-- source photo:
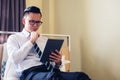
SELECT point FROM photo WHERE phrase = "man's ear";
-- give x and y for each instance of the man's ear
(23, 20)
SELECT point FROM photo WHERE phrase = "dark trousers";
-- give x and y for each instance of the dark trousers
(41, 73)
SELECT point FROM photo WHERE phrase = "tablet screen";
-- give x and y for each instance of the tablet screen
(51, 45)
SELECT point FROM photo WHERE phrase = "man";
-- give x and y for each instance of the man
(23, 61)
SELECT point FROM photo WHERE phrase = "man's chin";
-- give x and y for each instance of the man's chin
(34, 29)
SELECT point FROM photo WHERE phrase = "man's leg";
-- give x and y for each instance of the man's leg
(43, 76)
(31, 72)
(40, 73)
(74, 76)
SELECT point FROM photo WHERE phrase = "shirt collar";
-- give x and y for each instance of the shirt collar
(26, 33)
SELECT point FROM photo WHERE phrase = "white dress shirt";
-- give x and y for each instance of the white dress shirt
(21, 53)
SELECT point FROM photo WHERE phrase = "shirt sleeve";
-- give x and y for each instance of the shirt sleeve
(17, 53)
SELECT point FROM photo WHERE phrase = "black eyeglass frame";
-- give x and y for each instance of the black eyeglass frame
(33, 22)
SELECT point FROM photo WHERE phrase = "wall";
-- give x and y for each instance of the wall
(101, 39)
(95, 34)
(69, 20)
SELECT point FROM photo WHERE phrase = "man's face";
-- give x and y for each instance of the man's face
(32, 21)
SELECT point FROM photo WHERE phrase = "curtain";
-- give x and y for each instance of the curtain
(11, 12)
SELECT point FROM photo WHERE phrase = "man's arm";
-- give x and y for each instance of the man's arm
(16, 52)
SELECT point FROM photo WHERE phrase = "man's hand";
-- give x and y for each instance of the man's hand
(34, 36)
(56, 57)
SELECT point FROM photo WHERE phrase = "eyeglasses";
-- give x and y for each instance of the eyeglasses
(32, 22)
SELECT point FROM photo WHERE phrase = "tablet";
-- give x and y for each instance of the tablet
(51, 45)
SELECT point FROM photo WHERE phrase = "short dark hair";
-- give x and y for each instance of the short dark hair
(33, 9)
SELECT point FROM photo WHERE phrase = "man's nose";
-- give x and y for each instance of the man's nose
(35, 24)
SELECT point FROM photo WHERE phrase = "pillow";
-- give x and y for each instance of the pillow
(4, 59)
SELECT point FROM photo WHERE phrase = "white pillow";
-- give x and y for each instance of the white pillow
(4, 59)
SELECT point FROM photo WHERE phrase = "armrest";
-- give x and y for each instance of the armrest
(1, 53)
(3, 59)
(65, 58)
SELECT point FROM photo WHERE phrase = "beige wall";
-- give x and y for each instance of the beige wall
(69, 20)
(95, 33)
(102, 39)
